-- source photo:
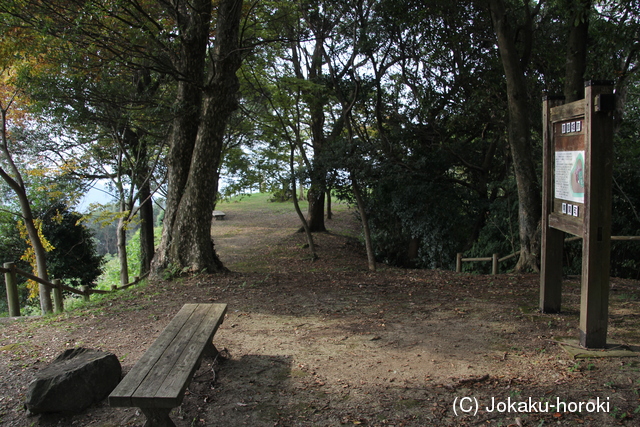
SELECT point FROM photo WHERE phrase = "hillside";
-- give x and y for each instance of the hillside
(329, 343)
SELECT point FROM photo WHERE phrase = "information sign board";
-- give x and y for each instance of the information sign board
(577, 161)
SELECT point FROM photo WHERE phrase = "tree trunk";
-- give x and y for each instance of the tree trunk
(316, 101)
(146, 227)
(122, 248)
(194, 31)
(577, 52)
(315, 195)
(305, 224)
(16, 183)
(141, 178)
(371, 259)
(529, 199)
(46, 305)
(196, 144)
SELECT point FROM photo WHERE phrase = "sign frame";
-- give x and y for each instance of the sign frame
(566, 210)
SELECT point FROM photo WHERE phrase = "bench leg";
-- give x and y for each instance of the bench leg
(157, 417)
(210, 350)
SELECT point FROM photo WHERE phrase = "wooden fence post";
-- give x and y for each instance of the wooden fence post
(459, 262)
(58, 303)
(85, 293)
(12, 289)
(494, 264)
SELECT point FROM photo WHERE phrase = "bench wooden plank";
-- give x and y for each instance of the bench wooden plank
(121, 395)
(177, 382)
(145, 394)
(161, 376)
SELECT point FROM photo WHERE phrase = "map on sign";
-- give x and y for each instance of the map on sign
(569, 176)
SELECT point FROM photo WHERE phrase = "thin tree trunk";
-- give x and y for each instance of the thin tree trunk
(17, 185)
(371, 259)
(529, 198)
(122, 248)
(305, 225)
(141, 179)
(146, 228)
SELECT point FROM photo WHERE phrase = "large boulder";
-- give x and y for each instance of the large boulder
(75, 380)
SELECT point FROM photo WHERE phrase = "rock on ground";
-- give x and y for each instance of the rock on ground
(75, 380)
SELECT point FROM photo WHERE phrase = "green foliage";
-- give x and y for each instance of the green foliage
(625, 255)
(263, 168)
(102, 220)
(74, 259)
(419, 212)
(425, 138)
(499, 233)
(111, 272)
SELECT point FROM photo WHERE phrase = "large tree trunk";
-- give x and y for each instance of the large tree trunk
(315, 219)
(194, 34)
(529, 206)
(577, 52)
(316, 192)
(196, 144)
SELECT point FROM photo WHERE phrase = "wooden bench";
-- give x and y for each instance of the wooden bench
(158, 381)
(218, 215)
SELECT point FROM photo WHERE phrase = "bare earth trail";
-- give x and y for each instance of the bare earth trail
(327, 343)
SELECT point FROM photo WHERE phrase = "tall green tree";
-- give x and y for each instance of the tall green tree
(109, 126)
(74, 259)
(198, 47)
(13, 176)
(206, 97)
(515, 58)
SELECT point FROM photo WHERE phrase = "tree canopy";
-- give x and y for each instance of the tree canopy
(426, 114)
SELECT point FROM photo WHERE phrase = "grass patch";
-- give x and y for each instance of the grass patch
(256, 202)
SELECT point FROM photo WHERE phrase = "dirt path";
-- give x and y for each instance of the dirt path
(328, 343)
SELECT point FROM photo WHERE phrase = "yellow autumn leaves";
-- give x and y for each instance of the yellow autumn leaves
(30, 255)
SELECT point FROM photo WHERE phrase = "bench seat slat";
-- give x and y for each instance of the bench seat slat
(121, 395)
(175, 384)
(161, 376)
(163, 367)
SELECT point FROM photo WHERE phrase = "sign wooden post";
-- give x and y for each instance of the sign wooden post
(552, 239)
(577, 163)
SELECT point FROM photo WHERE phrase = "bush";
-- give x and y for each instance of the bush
(74, 259)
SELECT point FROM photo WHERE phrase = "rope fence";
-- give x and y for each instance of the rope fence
(495, 260)
(10, 274)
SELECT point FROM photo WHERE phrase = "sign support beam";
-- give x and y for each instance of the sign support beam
(552, 239)
(596, 240)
